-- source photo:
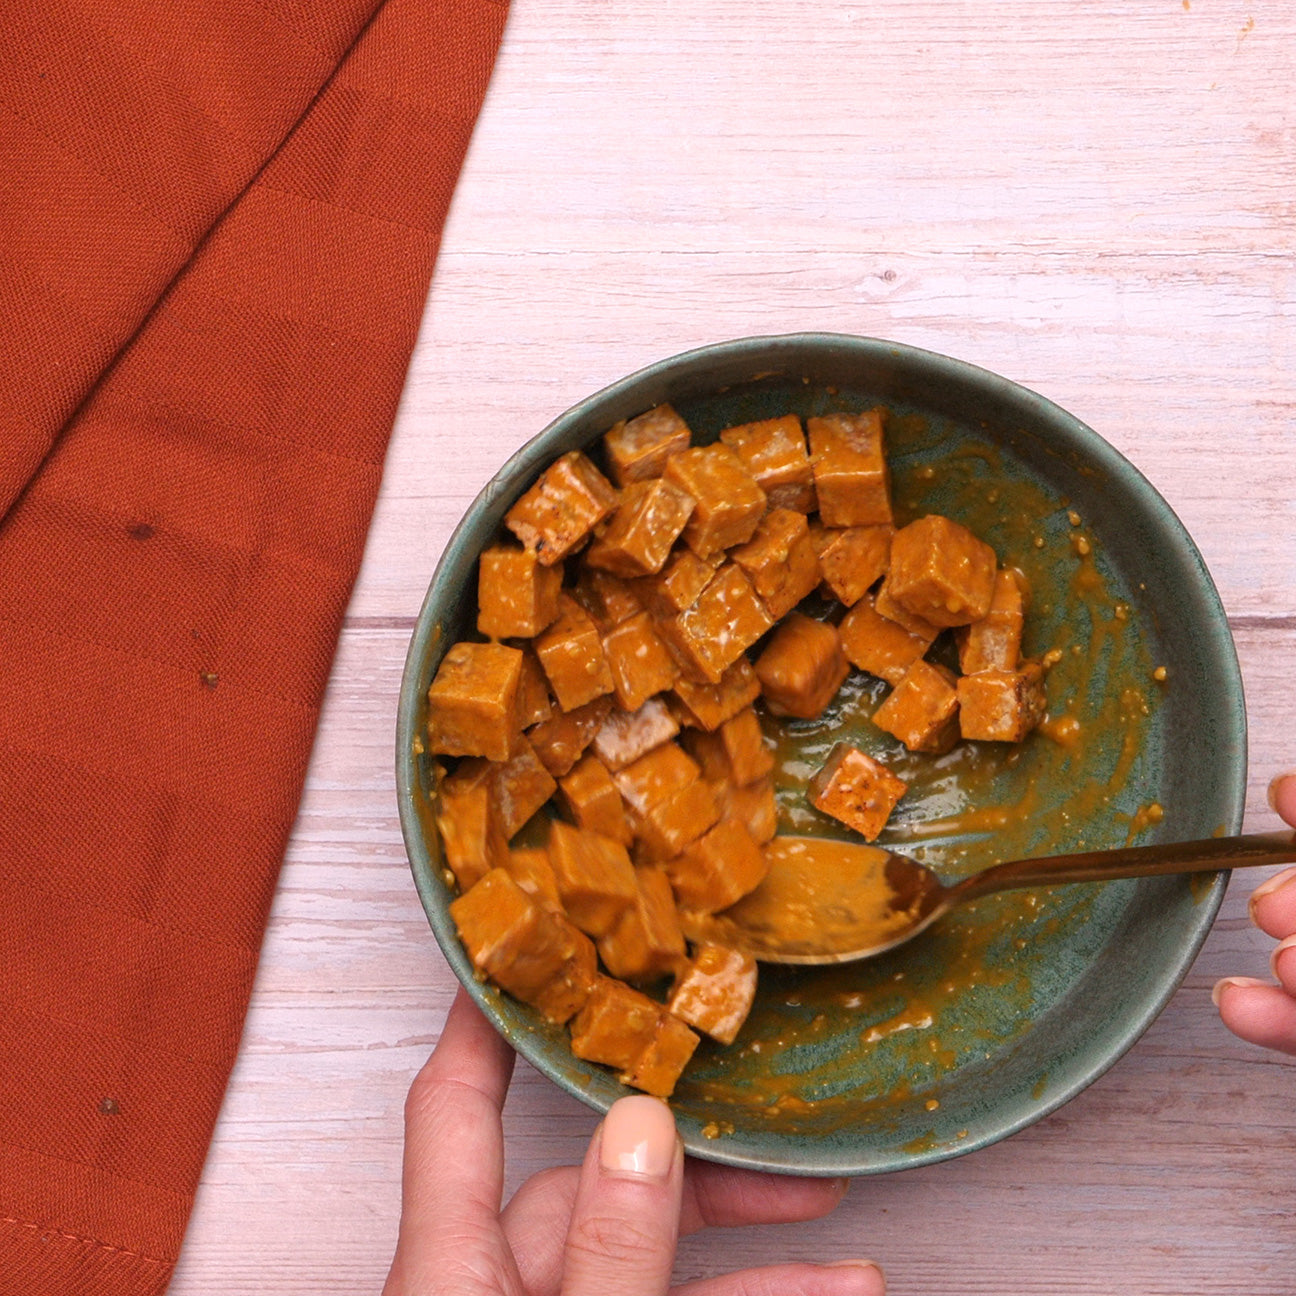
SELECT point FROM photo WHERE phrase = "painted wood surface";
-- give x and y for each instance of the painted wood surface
(1093, 198)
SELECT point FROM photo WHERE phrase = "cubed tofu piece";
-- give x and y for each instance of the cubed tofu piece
(529, 867)
(559, 513)
(640, 662)
(678, 584)
(718, 869)
(637, 449)
(1002, 705)
(646, 943)
(638, 539)
(851, 479)
(615, 1025)
(534, 702)
(922, 709)
(560, 741)
(753, 805)
(857, 790)
(595, 877)
(708, 706)
(994, 642)
(802, 667)
(941, 572)
(780, 560)
(715, 992)
(886, 606)
(659, 1065)
(735, 753)
(774, 452)
(530, 952)
(571, 654)
(722, 624)
(628, 735)
(473, 701)
(728, 503)
(878, 645)
(608, 599)
(472, 838)
(664, 829)
(593, 801)
(518, 786)
(516, 595)
(652, 778)
(852, 559)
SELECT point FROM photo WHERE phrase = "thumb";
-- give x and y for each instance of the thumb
(625, 1219)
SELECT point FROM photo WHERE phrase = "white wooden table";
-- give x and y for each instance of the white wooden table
(1093, 197)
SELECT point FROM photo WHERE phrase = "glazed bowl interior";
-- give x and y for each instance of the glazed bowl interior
(1009, 1008)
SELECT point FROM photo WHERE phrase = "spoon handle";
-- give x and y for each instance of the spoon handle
(1247, 851)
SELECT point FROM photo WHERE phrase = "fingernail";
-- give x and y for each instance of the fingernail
(1269, 886)
(1226, 982)
(879, 1279)
(638, 1139)
(1275, 787)
(1289, 943)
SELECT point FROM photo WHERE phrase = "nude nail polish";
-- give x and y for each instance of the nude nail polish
(638, 1139)
(1220, 986)
(1289, 943)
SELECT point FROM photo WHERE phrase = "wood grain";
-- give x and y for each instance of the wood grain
(1091, 198)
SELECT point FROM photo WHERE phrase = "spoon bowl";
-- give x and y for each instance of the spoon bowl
(826, 901)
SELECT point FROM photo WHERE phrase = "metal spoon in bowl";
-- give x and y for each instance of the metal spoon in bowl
(826, 901)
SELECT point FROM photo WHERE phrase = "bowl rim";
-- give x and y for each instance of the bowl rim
(521, 467)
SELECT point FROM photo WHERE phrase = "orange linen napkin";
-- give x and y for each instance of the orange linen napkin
(218, 220)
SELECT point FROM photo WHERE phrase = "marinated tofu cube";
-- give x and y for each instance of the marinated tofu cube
(528, 951)
(472, 838)
(608, 599)
(774, 452)
(852, 559)
(922, 709)
(753, 805)
(850, 471)
(728, 503)
(710, 636)
(628, 735)
(994, 642)
(640, 662)
(473, 701)
(717, 869)
(780, 560)
(1002, 705)
(560, 740)
(941, 572)
(802, 667)
(658, 1066)
(652, 778)
(886, 606)
(516, 596)
(857, 790)
(518, 786)
(667, 827)
(637, 449)
(678, 584)
(534, 702)
(878, 645)
(595, 877)
(647, 942)
(529, 867)
(735, 753)
(715, 992)
(562, 509)
(592, 800)
(638, 539)
(708, 706)
(615, 1024)
(571, 654)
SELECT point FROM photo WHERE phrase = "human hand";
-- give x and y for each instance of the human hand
(1259, 1011)
(605, 1228)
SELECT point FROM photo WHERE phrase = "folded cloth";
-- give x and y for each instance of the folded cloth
(218, 220)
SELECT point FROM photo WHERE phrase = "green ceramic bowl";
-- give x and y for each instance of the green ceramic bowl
(1012, 1006)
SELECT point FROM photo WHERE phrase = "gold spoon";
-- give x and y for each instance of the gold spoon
(826, 901)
